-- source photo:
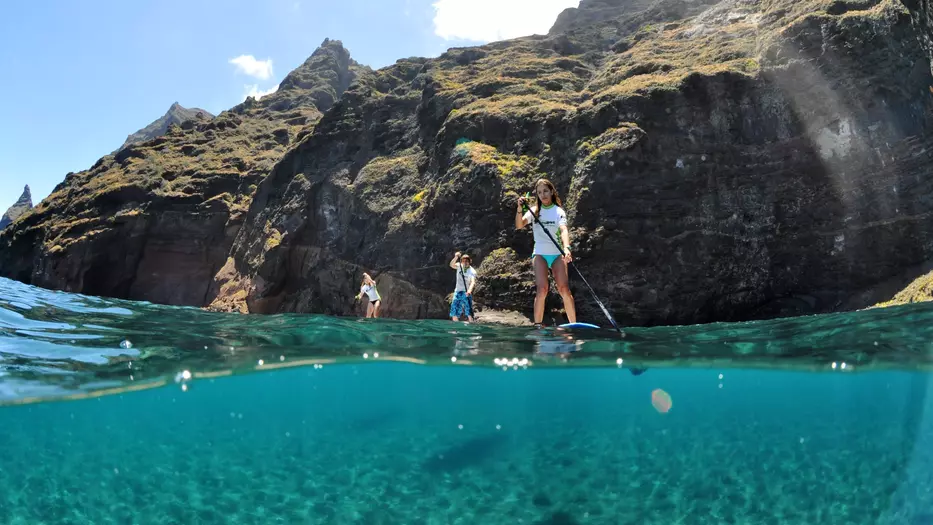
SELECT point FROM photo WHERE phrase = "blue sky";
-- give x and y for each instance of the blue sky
(78, 77)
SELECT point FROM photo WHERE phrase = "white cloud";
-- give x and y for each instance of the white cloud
(247, 64)
(490, 20)
(252, 90)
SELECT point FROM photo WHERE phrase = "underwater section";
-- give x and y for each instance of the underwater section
(394, 443)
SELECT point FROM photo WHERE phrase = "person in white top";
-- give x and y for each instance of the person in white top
(368, 287)
(547, 255)
(462, 304)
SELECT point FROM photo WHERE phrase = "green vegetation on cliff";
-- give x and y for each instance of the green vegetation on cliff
(919, 291)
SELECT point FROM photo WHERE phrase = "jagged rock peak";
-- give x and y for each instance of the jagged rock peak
(328, 72)
(176, 115)
(26, 197)
(22, 205)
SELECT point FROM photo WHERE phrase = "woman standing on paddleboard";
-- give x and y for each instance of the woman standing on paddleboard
(368, 288)
(548, 213)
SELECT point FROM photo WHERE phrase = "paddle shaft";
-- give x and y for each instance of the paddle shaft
(590, 288)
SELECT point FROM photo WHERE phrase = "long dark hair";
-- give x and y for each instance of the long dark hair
(555, 197)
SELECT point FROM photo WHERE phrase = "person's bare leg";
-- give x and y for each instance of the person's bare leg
(369, 309)
(376, 309)
(542, 286)
(559, 268)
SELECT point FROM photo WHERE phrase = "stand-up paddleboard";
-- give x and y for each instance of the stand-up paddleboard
(571, 326)
(577, 325)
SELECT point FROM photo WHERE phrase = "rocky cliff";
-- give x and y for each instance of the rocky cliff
(175, 116)
(21, 206)
(719, 160)
(156, 220)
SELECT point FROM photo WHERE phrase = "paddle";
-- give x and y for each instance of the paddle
(561, 250)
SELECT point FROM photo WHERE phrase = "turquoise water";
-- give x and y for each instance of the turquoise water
(120, 412)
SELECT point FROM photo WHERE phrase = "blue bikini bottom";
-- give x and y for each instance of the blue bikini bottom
(549, 259)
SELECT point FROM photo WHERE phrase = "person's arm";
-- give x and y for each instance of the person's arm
(565, 239)
(521, 220)
(455, 260)
(472, 281)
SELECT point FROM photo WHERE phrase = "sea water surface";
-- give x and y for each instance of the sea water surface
(125, 412)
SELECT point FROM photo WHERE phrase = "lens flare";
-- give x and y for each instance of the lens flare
(661, 401)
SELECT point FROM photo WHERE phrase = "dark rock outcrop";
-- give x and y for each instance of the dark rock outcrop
(175, 116)
(719, 160)
(21, 206)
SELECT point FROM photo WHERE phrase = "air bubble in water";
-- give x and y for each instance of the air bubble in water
(126, 344)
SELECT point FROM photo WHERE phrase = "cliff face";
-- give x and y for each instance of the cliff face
(719, 160)
(156, 220)
(21, 206)
(175, 116)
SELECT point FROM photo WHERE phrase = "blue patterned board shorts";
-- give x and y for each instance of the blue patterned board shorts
(461, 305)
